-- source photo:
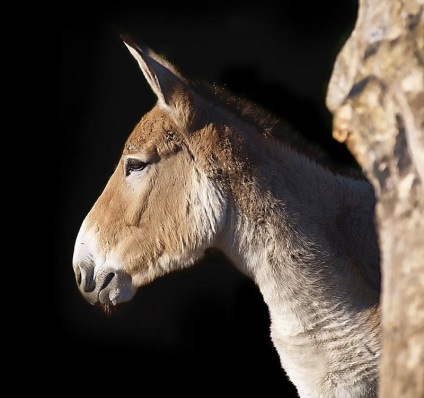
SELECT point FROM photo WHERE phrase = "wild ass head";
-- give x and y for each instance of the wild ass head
(168, 198)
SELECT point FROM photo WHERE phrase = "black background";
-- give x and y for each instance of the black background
(204, 331)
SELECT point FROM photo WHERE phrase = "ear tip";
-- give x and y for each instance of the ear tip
(123, 36)
(128, 39)
(131, 41)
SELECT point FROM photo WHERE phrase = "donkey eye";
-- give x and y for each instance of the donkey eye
(132, 165)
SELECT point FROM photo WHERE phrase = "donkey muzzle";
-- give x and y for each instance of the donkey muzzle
(107, 287)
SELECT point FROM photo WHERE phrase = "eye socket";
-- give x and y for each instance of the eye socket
(132, 165)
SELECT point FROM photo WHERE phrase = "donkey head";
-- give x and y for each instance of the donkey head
(166, 201)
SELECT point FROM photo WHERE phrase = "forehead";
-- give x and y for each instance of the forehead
(152, 128)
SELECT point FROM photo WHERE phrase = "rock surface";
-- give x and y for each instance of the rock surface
(376, 95)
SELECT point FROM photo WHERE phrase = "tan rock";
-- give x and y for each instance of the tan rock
(376, 94)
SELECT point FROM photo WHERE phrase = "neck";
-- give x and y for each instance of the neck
(306, 237)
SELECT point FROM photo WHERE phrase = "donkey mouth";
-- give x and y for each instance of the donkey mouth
(108, 288)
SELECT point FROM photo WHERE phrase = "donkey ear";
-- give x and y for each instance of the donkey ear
(170, 87)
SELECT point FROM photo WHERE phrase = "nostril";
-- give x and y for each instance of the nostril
(107, 280)
(84, 278)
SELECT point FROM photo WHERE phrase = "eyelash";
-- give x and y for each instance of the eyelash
(132, 165)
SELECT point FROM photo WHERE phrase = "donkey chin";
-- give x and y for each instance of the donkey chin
(107, 288)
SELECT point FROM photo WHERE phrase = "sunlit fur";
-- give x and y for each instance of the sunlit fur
(222, 173)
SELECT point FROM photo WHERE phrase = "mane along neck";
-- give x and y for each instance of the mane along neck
(280, 186)
(306, 237)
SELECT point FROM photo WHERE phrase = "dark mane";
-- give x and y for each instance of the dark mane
(270, 125)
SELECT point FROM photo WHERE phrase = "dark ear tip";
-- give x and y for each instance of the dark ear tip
(128, 39)
(131, 41)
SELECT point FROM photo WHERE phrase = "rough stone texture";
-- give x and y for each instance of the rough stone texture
(376, 95)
